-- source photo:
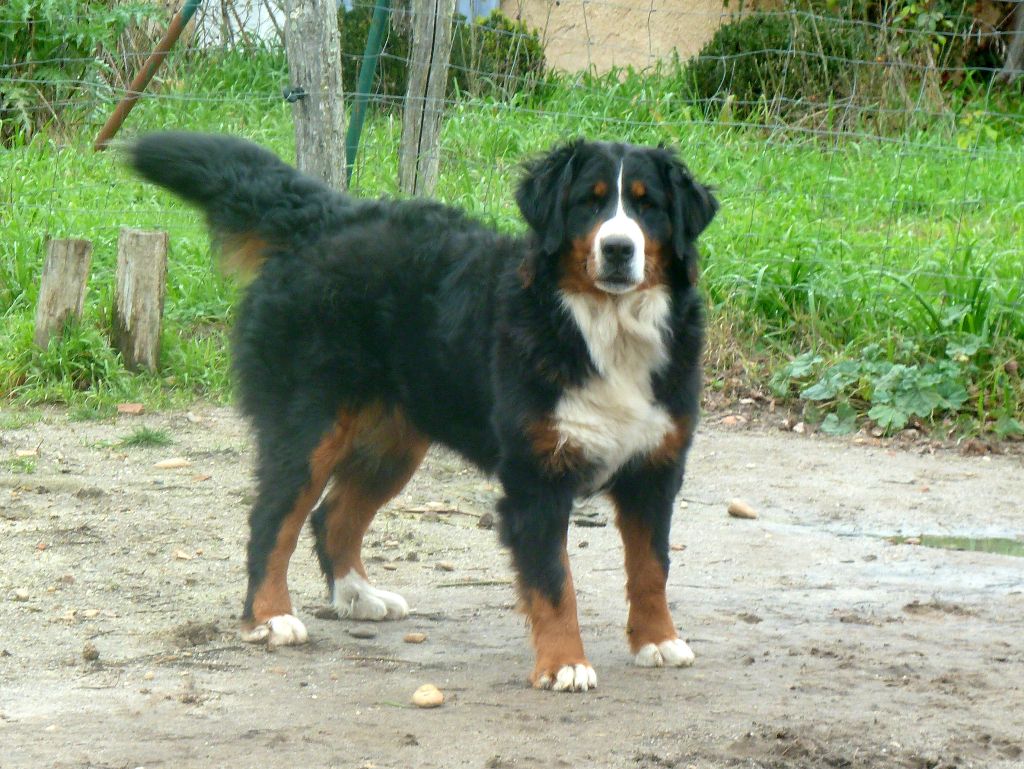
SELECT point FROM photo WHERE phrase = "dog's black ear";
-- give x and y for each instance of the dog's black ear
(693, 206)
(543, 192)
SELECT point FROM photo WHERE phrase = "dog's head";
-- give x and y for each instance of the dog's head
(617, 217)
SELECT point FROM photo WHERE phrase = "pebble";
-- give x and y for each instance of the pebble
(363, 631)
(21, 595)
(445, 566)
(90, 652)
(486, 521)
(415, 638)
(427, 696)
(149, 675)
(326, 612)
(740, 509)
(131, 409)
(172, 463)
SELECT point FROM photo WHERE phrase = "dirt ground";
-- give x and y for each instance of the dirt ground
(819, 643)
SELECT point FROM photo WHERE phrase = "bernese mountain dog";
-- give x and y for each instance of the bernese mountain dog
(566, 362)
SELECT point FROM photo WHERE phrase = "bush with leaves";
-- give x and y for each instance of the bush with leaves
(495, 56)
(889, 389)
(840, 60)
(54, 51)
(768, 62)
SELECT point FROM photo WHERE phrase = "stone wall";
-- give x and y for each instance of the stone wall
(579, 34)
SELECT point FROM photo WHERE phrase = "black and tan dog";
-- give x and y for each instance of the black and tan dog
(567, 362)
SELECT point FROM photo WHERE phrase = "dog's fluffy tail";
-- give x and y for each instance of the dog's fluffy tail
(253, 201)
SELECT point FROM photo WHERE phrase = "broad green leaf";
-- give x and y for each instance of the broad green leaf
(888, 417)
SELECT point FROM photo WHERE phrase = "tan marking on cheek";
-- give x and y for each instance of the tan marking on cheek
(638, 189)
(649, 618)
(655, 263)
(579, 270)
(555, 629)
(601, 189)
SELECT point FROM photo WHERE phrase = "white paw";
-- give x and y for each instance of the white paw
(672, 653)
(355, 598)
(570, 678)
(282, 630)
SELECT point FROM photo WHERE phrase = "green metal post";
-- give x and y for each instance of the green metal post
(367, 68)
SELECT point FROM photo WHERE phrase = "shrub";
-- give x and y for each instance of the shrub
(494, 57)
(771, 62)
(889, 62)
(51, 51)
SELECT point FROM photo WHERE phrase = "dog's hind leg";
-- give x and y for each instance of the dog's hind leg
(291, 479)
(382, 456)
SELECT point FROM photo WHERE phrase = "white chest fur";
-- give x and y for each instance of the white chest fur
(613, 417)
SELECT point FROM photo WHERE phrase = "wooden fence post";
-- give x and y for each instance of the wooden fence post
(62, 286)
(424, 100)
(313, 46)
(139, 297)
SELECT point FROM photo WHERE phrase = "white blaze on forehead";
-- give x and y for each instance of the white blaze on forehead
(621, 226)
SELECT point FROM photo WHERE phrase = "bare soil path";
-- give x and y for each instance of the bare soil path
(819, 642)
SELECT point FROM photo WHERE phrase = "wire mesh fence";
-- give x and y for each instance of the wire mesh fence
(868, 154)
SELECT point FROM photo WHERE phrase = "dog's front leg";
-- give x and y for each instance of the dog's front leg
(644, 497)
(535, 518)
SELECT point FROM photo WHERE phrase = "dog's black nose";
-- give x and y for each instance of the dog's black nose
(617, 251)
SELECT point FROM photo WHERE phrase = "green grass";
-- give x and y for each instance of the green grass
(905, 250)
(19, 465)
(145, 437)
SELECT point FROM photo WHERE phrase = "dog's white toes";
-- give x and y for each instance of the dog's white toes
(355, 598)
(672, 653)
(282, 630)
(569, 678)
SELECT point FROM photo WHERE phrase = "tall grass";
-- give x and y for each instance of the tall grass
(830, 245)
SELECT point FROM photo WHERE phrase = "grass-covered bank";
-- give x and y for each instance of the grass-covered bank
(874, 275)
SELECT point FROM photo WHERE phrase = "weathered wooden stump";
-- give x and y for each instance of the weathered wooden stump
(62, 287)
(139, 297)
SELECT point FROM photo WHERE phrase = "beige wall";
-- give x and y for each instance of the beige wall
(604, 33)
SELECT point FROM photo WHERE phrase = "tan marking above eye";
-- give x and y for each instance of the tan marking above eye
(638, 188)
(601, 189)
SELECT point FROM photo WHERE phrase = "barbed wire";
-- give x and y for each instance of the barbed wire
(775, 127)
